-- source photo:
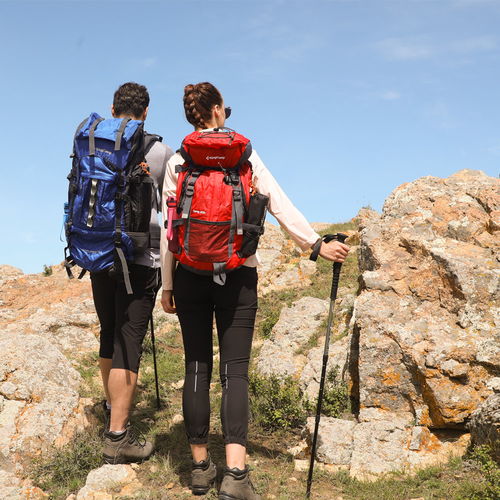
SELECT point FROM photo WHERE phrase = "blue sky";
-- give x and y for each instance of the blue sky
(343, 100)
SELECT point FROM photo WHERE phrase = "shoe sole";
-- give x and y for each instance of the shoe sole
(226, 496)
(117, 461)
(202, 490)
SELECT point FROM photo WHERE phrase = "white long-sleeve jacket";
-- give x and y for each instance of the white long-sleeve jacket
(289, 217)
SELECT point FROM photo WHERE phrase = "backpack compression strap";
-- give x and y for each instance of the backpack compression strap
(118, 234)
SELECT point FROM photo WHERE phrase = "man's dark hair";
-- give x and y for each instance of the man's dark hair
(131, 99)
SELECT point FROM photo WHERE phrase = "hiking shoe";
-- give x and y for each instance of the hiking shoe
(236, 485)
(125, 447)
(203, 475)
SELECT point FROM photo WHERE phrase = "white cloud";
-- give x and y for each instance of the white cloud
(495, 150)
(28, 238)
(406, 49)
(441, 116)
(390, 95)
(485, 43)
(402, 49)
(149, 62)
(294, 50)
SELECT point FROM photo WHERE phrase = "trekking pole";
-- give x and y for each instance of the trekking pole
(333, 296)
(154, 362)
(158, 284)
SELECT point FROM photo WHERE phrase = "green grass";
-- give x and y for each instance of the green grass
(88, 368)
(64, 470)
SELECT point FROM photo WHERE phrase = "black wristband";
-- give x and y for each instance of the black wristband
(316, 249)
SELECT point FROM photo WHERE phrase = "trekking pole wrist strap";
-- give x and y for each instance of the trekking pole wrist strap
(315, 250)
(326, 238)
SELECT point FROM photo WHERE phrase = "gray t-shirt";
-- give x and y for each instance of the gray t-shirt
(157, 159)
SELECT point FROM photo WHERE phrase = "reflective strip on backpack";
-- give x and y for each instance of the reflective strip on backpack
(92, 200)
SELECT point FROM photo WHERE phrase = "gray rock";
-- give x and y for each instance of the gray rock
(42, 383)
(426, 320)
(378, 447)
(69, 325)
(8, 273)
(485, 425)
(297, 324)
(335, 440)
(12, 488)
(107, 479)
(337, 359)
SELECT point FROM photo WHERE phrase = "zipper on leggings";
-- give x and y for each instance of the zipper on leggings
(196, 376)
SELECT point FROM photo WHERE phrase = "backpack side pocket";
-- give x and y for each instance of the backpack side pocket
(254, 227)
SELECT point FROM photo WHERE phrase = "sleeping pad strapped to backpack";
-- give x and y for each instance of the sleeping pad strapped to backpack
(211, 232)
(110, 196)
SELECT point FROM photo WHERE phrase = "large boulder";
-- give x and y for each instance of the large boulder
(39, 400)
(369, 449)
(9, 273)
(108, 482)
(280, 355)
(427, 323)
(54, 307)
(485, 425)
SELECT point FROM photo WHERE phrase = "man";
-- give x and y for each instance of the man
(124, 318)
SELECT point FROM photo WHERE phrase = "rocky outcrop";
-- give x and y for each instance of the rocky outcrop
(427, 321)
(369, 449)
(8, 273)
(39, 400)
(13, 488)
(108, 482)
(485, 425)
(282, 264)
(295, 327)
(424, 353)
(53, 307)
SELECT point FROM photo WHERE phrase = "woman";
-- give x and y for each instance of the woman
(195, 298)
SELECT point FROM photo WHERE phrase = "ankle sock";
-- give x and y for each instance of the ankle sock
(108, 406)
(202, 464)
(238, 472)
(115, 436)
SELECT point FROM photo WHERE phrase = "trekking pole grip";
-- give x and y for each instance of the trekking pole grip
(337, 266)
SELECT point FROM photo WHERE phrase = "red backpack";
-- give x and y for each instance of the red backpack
(208, 218)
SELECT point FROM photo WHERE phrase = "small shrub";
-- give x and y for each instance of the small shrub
(276, 403)
(47, 270)
(335, 396)
(482, 456)
(64, 470)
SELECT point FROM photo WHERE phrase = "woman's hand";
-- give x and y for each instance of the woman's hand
(167, 302)
(334, 251)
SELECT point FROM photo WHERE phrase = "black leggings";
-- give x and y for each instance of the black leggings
(124, 318)
(235, 304)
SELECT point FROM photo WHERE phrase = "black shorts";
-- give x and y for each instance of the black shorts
(124, 318)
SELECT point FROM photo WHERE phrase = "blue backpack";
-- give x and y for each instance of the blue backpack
(110, 196)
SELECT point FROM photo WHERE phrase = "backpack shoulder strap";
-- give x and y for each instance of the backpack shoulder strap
(149, 141)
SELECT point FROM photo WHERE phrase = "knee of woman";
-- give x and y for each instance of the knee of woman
(198, 367)
(233, 371)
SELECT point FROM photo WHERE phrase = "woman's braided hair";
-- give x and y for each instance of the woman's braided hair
(199, 99)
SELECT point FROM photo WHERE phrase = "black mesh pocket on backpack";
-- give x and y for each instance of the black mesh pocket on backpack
(140, 202)
(254, 227)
